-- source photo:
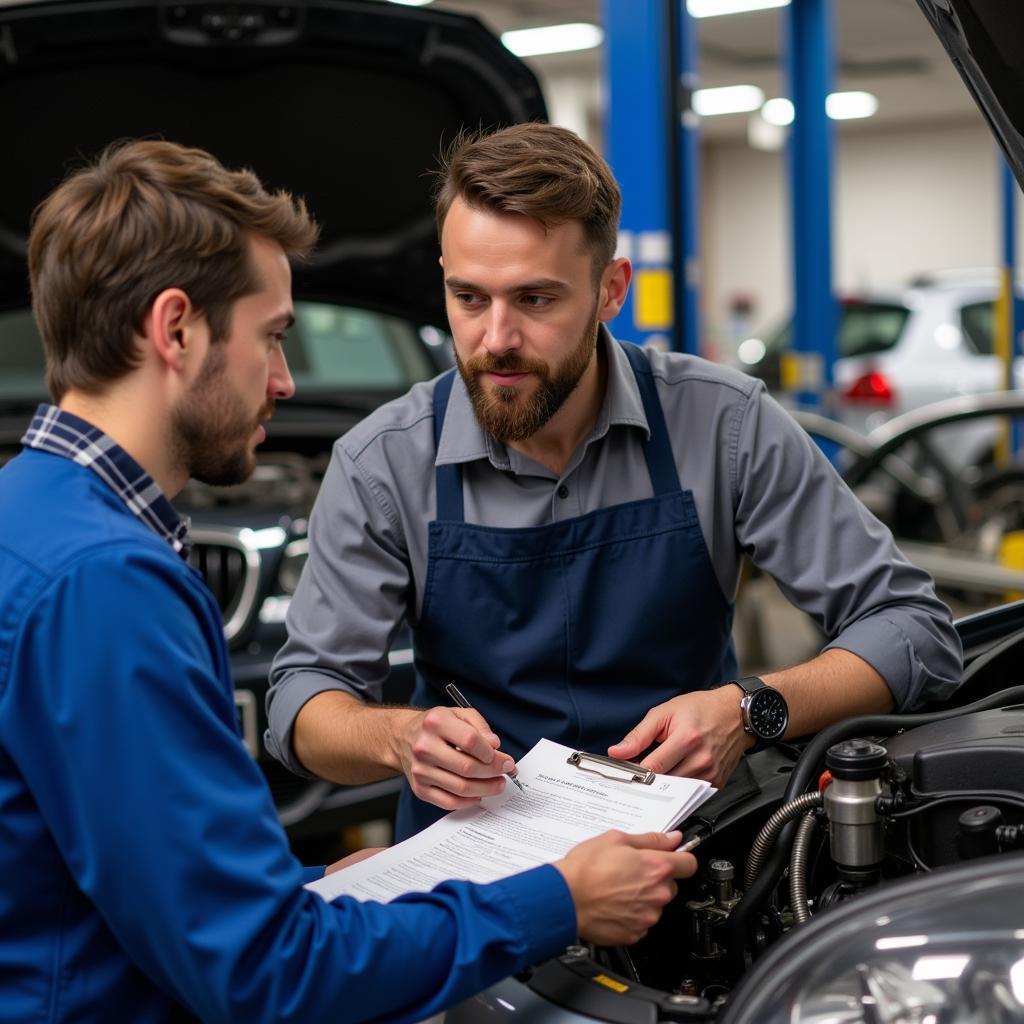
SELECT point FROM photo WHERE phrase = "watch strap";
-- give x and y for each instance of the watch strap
(749, 684)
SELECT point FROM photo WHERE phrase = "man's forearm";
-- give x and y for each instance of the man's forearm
(449, 756)
(701, 735)
(338, 737)
(834, 685)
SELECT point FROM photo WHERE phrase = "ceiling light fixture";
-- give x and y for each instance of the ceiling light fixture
(713, 8)
(845, 106)
(413, 3)
(728, 99)
(532, 42)
(778, 111)
(840, 106)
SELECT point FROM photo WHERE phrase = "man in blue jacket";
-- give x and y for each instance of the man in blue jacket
(145, 875)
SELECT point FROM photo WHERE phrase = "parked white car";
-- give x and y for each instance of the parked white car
(903, 349)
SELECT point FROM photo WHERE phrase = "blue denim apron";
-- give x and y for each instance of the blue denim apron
(575, 629)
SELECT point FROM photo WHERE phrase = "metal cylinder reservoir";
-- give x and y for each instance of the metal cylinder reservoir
(855, 828)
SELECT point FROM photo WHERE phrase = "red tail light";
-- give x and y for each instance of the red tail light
(871, 387)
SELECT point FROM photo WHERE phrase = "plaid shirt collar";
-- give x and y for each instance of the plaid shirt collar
(62, 433)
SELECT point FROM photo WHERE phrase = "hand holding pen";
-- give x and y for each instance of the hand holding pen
(456, 695)
(449, 755)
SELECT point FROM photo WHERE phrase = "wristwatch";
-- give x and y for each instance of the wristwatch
(764, 711)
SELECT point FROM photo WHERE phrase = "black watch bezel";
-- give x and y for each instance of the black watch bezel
(756, 692)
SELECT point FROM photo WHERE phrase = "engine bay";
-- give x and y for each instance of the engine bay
(799, 833)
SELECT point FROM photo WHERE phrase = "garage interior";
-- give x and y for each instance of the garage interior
(812, 198)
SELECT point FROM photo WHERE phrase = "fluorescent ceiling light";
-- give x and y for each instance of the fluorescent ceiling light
(532, 42)
(413, 3)
(778, 111)
(845, 106)
(840, 106)
(713, 8)
(729, 99)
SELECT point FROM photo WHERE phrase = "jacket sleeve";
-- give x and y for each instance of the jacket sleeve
(832, 558)
(128, 742)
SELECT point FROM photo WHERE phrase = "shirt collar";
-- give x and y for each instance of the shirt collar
(464, 440)
(60, 432)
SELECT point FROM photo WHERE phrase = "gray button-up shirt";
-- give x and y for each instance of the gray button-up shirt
(760, 485)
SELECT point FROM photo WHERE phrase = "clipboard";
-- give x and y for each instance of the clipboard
(611, 768)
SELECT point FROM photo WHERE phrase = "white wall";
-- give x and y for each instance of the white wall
(904, 202)
(575, 102)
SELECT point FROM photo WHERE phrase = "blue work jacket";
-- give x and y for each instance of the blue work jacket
(143, 872)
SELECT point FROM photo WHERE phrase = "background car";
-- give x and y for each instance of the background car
(345, 102)
(904, 349)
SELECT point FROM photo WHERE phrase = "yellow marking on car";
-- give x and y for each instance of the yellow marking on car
(616, 986)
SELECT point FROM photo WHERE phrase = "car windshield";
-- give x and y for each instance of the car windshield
(865, 328)
(329, 348)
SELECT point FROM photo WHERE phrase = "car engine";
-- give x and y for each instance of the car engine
(867, 803)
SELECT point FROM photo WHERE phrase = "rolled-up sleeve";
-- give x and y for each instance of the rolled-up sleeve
(349, 603)
(832, 558)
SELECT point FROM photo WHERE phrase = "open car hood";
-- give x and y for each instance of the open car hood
(346, 102)
(985, 40)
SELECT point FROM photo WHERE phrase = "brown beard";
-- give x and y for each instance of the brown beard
(508, 416)
(212, 427)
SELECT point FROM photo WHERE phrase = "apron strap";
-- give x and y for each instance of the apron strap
(447, 478)
(658, 449)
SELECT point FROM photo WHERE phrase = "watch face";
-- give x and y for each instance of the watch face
(768, 714)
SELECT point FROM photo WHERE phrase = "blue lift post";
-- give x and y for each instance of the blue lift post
(807, 370)
(1007, 312)
(686, 126)
(653, 153)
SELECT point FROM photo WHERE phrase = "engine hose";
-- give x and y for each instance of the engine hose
(813, 756)
(798, 869)
(771, 828)
(740, 922)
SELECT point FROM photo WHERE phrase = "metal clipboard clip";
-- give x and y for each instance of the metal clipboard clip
(610, 768)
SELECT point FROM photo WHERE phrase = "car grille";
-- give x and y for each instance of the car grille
(231, 569)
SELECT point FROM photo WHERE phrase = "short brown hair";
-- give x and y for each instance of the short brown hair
(539, 170)
(145, 216)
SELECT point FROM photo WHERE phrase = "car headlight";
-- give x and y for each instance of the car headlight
(274, 609)
(292, 561)
(944, 948)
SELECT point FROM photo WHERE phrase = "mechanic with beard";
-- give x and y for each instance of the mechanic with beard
(561, 523)
(144, 875)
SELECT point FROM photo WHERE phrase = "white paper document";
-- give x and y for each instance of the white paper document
(562, 806)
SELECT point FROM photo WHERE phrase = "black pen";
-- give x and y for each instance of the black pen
(456, 695)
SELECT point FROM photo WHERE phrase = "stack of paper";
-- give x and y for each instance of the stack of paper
(562, 805)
